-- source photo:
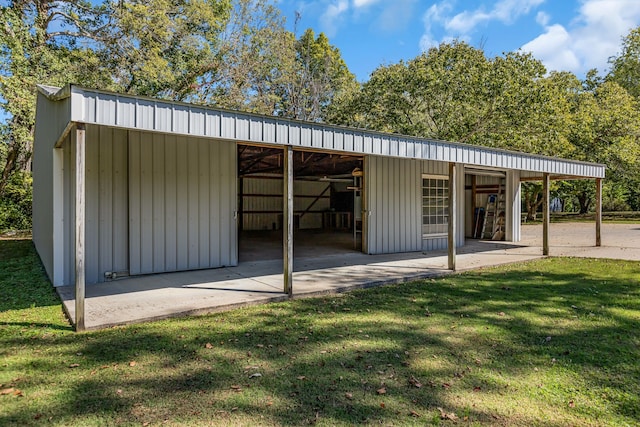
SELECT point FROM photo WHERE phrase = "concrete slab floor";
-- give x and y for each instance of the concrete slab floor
(159, 296)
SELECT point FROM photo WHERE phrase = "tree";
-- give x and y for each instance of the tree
(625, 66)
(41, 41)
(453, 92)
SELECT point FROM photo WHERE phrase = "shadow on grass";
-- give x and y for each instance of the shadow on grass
(553, 342)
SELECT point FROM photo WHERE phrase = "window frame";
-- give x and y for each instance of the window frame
(437, 212)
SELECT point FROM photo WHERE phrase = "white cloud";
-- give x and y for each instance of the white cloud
(434, 15)
(363, 3)
(590, 40)
(462, 24)
(543, 18)
(331, 17)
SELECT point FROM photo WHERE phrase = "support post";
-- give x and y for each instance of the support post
(598, 211)
(80, 226)
(452, 216)
(545, 215)
(287, 213)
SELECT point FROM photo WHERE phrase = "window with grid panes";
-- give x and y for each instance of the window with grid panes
(435, 205)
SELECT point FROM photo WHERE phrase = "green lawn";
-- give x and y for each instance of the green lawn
(554, 342)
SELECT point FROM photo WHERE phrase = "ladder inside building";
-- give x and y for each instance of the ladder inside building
(494, 216)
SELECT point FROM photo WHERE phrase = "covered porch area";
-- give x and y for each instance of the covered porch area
(160, 296)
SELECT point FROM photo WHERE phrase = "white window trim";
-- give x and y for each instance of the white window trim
(431, 235)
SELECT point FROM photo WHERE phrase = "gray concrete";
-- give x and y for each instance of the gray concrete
(145, 298)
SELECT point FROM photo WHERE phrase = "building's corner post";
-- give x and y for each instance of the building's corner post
(545, 215)
(452, 216)
(79, 223)
(598, 211)
(287, 223)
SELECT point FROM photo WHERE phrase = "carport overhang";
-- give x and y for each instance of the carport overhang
(72, 108)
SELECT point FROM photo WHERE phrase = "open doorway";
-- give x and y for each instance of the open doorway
(327, 191)
(486, 203)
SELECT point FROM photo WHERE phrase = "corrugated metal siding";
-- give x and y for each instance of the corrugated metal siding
(69, 147)
(92, 106)
(43, 180)
(182, 203)
(393, 188)
(513, 207)
(440, 168)
(106, 217)
(271, 200)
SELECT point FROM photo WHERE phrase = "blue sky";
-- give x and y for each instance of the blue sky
(567, 35)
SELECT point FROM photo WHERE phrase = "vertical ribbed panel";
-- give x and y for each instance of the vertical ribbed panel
(262, 202)
(393, 193)
(513, 207)
(106, 204)
(183, 198)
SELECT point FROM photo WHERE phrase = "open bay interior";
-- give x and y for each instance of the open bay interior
(486, 204)
(327, 200)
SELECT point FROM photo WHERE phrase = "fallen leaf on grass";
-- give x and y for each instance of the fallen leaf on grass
(446, 385)
(572, 404)
(414, 382)
(414, 414)
(208, 345)
(501, 313)
(447, 415)
(256, 375)
(301, 377)
(348, 395)
(382, 405)
(132, 363)
(7, 391)
(381, 390)
(477, 388)
(74, 365)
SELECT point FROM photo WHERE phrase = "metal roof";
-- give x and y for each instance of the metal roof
(147, 114)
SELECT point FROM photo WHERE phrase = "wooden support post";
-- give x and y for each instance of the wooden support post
(287, 213)
(79, 229)
(452, 216)
(545, 215)
(598, 211)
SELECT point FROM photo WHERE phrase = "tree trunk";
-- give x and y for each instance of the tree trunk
(585, 202)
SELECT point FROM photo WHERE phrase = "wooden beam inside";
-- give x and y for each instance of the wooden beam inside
(80, 227)
(545, 215)
(287, 214)
(452, 216)
(598, 211)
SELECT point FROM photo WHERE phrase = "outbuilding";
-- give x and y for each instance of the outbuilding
(127, 185)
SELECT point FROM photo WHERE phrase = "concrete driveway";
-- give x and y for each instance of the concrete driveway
(159, 296)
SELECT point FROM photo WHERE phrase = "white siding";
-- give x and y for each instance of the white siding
(393, 188)
(91, 106)
(182, 203)
(513, 207)
(106, 242)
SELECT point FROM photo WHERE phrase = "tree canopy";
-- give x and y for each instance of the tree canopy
(238, 54)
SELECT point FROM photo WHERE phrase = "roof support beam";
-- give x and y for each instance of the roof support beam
(452, 216)
(80, 227)
(598, 211)
(545, 215)
(287, 215)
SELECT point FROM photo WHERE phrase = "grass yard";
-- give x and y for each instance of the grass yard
(554, 342)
